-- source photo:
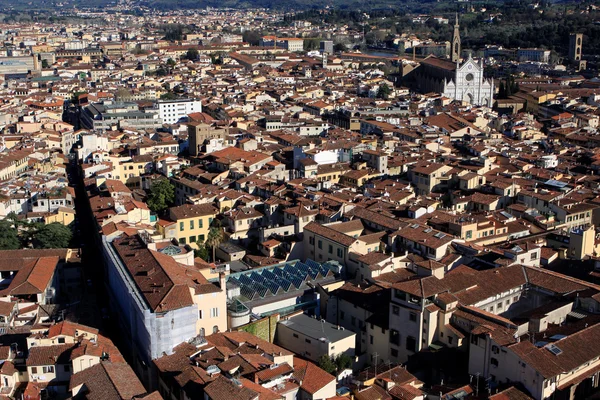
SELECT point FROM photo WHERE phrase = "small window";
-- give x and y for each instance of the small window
(61, 340)
(494, 362)
(394, 337)
(412, 316)
(295, 335)
(34, 370)
(394, 352)
(395, 310)
(307, 341)
(411, 344)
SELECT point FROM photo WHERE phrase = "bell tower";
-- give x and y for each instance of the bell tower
(455, 51)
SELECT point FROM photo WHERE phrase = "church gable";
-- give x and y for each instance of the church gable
(469, 66)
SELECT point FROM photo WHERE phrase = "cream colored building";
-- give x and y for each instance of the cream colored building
(312, 338)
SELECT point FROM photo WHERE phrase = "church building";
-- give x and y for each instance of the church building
(459, 81)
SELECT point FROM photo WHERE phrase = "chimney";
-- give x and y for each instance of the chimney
(222, 281)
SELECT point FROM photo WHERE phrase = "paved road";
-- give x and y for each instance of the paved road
(89, 311)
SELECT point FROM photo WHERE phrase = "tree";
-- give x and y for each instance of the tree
(502, 90)
(173, 31)
(251, 37)
(384, 91)
(53, 236)
(327, 364)
(192, 54)
(280, 252)
(168, 96)
(214, 238)
(202, 251)
(216, 59)
(27, 231)
(171, 63)
(343, 361)
(45, 64)
(162, 195)
(161, 71)
(9, 240)
(311, 44)
(340, 48)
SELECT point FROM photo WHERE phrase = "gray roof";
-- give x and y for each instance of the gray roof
(316, 328)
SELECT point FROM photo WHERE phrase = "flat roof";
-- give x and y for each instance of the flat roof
(316, 328)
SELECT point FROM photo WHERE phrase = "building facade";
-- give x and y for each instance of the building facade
(171, 111)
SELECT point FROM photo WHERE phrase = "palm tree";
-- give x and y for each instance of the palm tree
(214, 238)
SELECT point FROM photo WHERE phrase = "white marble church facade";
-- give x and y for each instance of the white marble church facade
(455, 80)
(469, 85)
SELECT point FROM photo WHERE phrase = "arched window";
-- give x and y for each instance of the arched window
(215, 329)
(202, 332)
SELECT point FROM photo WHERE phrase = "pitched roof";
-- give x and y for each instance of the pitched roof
(108, 381)
(192, 211)
(50, 355)
(329, 233)
(422, 287)
(311, 378)
(33, 277)
(164, 283)
(439, 63)
(226, 389)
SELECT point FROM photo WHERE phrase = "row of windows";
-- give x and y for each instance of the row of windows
(506, 304)
(214, 313)
(578, 216)
(49, 369)
(192, 222)
(340, 252)
(193, 239)
(395, 339)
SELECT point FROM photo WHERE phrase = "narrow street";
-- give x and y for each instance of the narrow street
(92, 310)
